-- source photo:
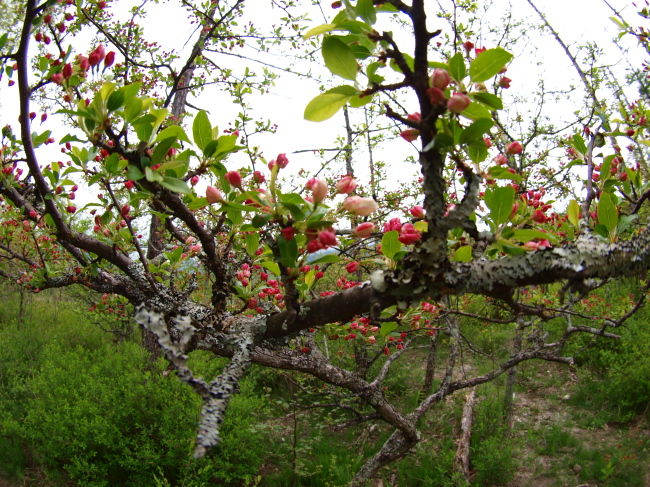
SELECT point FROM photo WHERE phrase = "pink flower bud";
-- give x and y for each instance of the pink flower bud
(436, 95)
(327, 237)
(364, 230)
(213, 195)
(360, 206)
(501, 160)
(126, 209)
(282, 160)
(84, 64)
(234, 179)
(109, 59)
(194, 180)
(258, 177)
(488, 142)
(409, 234)
(346, 185)
(504, 82)
(318, 189)
(414, 117)
(458, 102)
(530, 246)
(514, 148)
(440, 78)
(410, 134)
(57, 78)
(417, 211)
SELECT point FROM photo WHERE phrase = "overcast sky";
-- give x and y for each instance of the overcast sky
(577, 21)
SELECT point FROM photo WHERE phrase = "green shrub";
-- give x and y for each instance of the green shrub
(107, 417)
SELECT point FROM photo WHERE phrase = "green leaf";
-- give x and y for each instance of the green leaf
(463, 254)
(457, 68)
(366, 10)
(579, 144)
(325, 259)
(133, 109)
(201, 129)
(252, 243)
(574, 213)
(115, 100)
(272, 266)
(359, 101)
(161, 150)
(339, 58)
(492, 101)
(318, 30)
(512, 249)
(225, 143)
(387, 328)
(607, 214)
(197, 203)
(501, 204)
(288, 251)
(488, 63)
(112, 163)
(526, 235)
(259, 221)
(134, 173)
(476, 111)
(477, 151)
(476, 130)
(173, 131)
(501, 172)
(231, 205)
(390, 244)
(325, 105)
(175, 185)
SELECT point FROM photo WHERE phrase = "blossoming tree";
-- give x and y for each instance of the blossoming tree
(153, 238)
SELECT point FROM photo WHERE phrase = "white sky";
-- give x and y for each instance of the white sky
(577, 21)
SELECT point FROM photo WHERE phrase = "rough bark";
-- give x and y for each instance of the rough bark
(461, 460)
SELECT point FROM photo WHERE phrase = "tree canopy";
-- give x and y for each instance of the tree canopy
(215, 247)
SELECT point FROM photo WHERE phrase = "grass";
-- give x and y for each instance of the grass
(608, 440)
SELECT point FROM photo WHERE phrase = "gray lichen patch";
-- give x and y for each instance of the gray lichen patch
(216, 395)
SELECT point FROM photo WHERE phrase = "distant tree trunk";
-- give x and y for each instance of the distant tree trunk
(431, 366)
(461, 461)
(511, 378)
(21, 308)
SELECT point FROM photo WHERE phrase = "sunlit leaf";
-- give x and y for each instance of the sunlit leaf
(318, 30)
(390, 244)
(488, 63)
(339, 58)
(201, 129)
(325, 105)
(463, 254)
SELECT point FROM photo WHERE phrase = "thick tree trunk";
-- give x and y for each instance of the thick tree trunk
(461, 461)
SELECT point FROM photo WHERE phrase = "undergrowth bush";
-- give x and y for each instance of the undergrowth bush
(109, 417)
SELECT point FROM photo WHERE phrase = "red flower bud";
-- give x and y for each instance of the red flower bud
(288, 233)
(282, 160)
(67, 71)
(109, 59)
(514, 148)
(125, 210)
(57, 78)
(410, 134)
(435, 95)
(352, 267)
(504, 82)
(234, 179)
(417, 211)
